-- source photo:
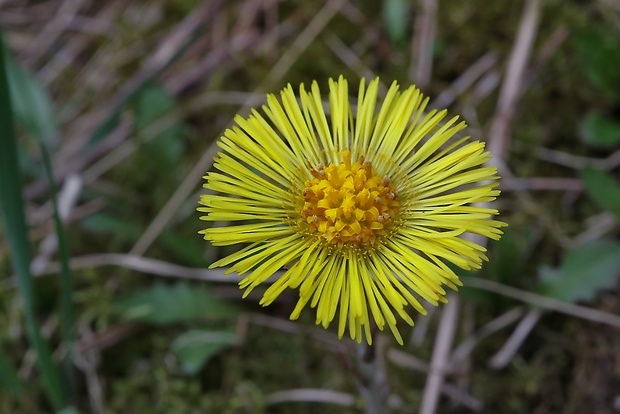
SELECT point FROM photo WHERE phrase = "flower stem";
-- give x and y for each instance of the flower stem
(372, 380)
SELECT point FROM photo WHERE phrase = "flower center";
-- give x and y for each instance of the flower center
(347, 204)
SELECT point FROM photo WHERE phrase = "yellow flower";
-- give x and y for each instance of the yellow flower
(365, 204)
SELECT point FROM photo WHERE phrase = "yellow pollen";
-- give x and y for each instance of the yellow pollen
(347, 204)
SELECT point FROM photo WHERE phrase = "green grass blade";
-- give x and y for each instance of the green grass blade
(12, 206)
(65, 280)
(8, 374)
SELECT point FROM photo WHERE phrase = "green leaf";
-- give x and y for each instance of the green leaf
(600, 131)
(153, 104)
(395, 19)
(508, 253)
(189, 250)
(477, 296)
(510, 258)
(196, 347)
(599, 55)
(107, 126)
(121, 228)
(32, 105)
(166, 304)
(603, 189)
(8, 374)
(583, 272)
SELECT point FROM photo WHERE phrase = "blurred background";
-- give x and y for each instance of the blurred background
(107, 306)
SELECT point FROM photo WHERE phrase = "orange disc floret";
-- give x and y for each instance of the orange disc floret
(347, 204)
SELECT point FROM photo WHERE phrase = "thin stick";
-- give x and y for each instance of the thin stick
(408, 361)
(578, 162)
(160, 268)
(65, 13)
(541, 184)
(545, 302)
(511, 88)
(305, 38)
(146, 265)
(504, 355)
(467, 346)
(311, 395)
(350, 59)
(424, 35)
(280, 68)
(441, 356)
(597, 227)
(465, 81)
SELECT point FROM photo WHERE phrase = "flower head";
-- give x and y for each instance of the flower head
(365, 206)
